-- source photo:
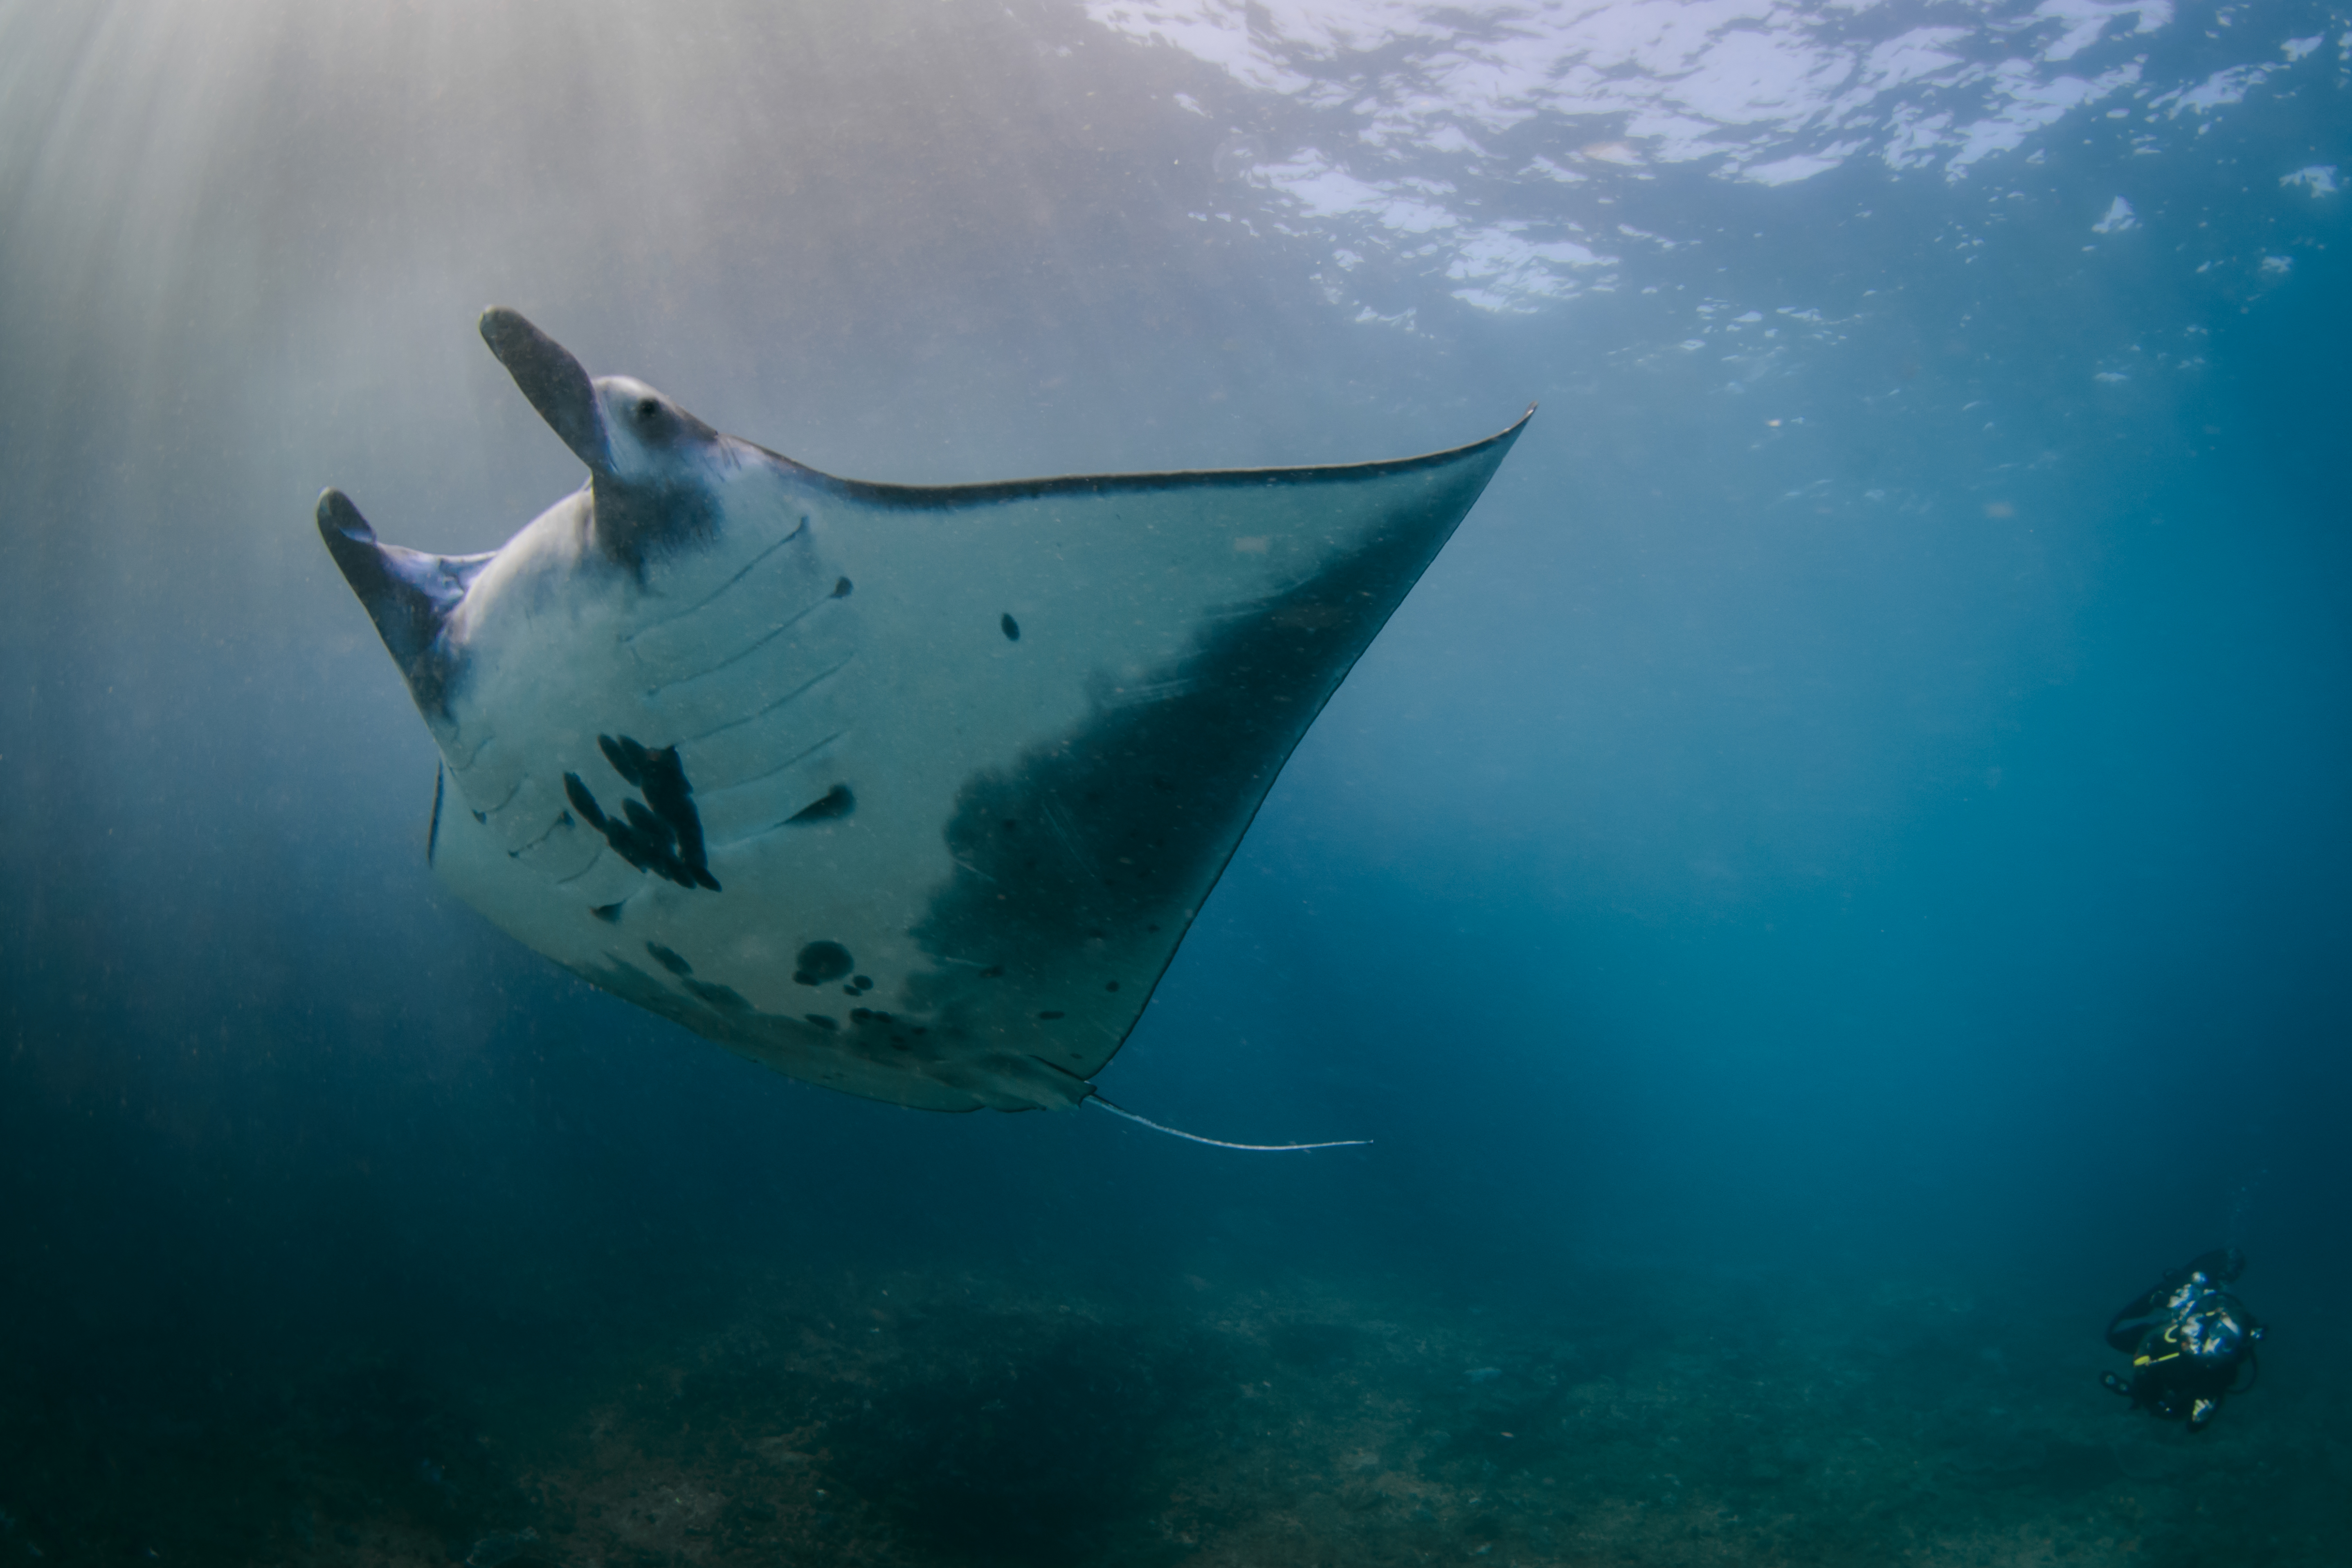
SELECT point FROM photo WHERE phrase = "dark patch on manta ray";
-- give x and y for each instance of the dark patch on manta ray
(1009, 626)
(669, 960)
(718, 1013)
(636, 523)
(820, 962)
(724, 997)
(433, 834)
(662, 833)
(1125, 822)
(841, 587)
(662, 777)
(609, 913)
(835, 803)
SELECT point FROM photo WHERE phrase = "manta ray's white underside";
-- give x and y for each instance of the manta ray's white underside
(908, 792)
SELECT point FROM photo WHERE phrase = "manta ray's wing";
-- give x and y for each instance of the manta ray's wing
(910, 791)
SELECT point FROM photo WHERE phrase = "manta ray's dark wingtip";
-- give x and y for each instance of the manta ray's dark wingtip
(555, 382)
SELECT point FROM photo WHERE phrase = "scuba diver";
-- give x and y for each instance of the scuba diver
(2188, 1339)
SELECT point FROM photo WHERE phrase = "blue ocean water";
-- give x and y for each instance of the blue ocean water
(1830, 885)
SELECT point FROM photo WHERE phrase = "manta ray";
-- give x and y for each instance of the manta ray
(906, 791)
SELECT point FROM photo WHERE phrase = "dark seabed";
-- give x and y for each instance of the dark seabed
(1832, 884)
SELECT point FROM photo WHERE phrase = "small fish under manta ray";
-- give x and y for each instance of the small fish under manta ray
(906, 791)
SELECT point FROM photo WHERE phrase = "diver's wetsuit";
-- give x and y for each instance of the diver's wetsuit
(2188, 1339)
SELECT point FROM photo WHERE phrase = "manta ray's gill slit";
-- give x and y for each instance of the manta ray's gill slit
(593, 861)
(758, 715)
(749, 567)
(758, 779)
(461, 767)
(489, 811)
(835, 803)
(779, 629)
(563, 819)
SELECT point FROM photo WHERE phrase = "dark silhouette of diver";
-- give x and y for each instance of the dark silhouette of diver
(2188, 1339)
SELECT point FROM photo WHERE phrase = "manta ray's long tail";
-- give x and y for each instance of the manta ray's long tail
(1219, 1143)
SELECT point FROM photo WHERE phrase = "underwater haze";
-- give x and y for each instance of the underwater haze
(1833, 882)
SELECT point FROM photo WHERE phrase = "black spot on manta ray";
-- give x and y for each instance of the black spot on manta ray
(609, 913)
(1009, 626)
(862, 981)
(841, 588)
(669, 960)
(824, 1021)
(820, 962)
(662, 833)
(835, 802)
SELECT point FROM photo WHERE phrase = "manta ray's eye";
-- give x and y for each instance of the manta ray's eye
(648, 411)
